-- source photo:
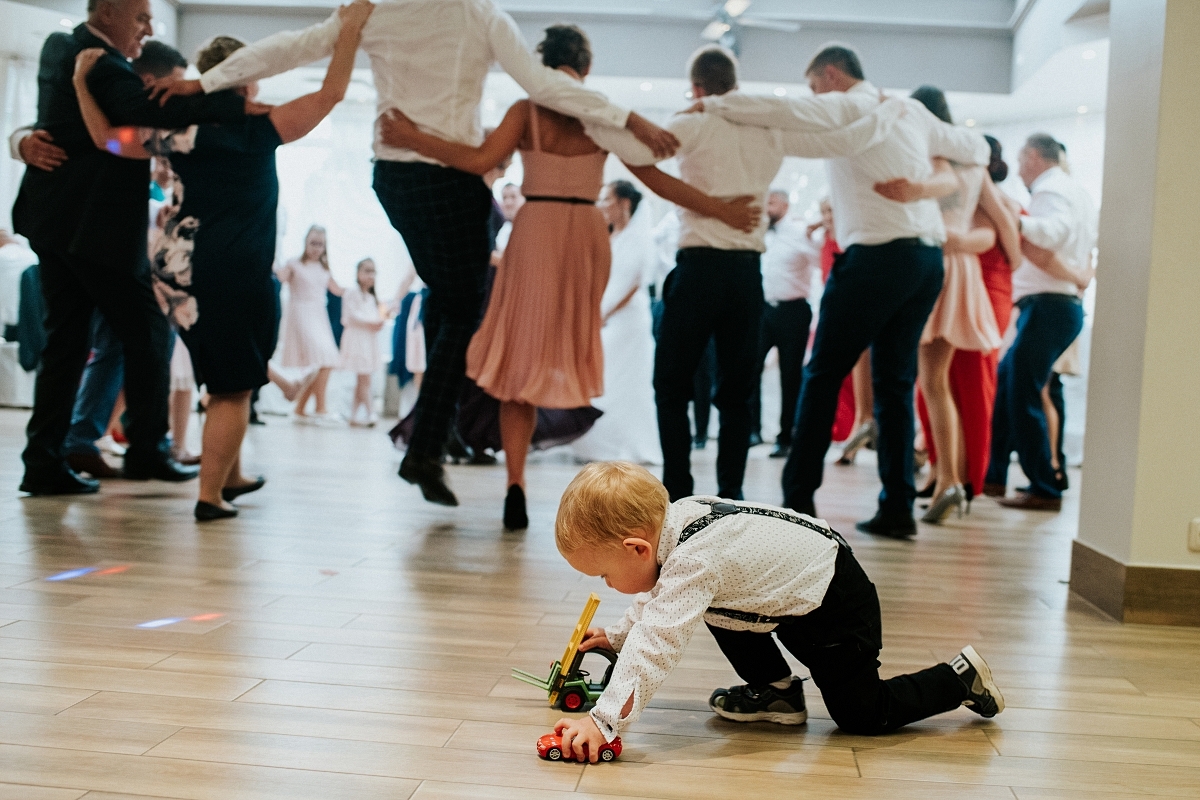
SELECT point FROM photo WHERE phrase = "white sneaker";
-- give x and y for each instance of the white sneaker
(106, 444)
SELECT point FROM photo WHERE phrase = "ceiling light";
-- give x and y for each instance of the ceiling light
(1089, 54)
(970, 123)
(714, 30)
(781, 92)
(647, 86)
(735, 8)
(688, 95)
(66, 23)
(1082, 109)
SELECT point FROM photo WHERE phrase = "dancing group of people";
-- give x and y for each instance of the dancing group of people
(908, 281)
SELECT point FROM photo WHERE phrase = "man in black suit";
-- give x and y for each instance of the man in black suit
(87, 221)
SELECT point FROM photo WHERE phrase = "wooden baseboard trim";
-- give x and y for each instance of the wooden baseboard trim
(1146, 595)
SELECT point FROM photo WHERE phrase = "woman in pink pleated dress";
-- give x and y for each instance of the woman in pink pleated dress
(539, 342)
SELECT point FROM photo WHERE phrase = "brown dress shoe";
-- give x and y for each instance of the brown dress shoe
(1032, 502)
(93, 464)
(994, 489)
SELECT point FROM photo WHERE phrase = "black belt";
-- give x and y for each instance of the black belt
(575, 201)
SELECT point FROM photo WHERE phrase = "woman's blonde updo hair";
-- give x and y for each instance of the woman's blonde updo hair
(217, 50)
(566, 46)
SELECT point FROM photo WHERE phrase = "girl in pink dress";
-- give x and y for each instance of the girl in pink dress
(361, 323)
(539, 342)
(307, 338)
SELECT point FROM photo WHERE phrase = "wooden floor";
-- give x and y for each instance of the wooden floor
(343, 639)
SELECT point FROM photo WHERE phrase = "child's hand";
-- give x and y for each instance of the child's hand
(594, 638)
(578, 733)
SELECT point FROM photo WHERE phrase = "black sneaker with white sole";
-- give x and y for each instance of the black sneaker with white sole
(742, 704)
(983, 696)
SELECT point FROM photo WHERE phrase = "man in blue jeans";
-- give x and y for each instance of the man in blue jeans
(1062, 219)
(95, 400)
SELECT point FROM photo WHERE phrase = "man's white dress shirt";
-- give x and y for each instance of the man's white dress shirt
(727, 160)
(429, 59)
(789, 264)
(740, 562)
(1062, 219)
(864, 216)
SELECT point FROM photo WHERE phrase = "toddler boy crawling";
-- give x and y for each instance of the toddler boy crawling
(746, 571)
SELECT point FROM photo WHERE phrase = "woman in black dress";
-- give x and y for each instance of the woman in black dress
(218, 251)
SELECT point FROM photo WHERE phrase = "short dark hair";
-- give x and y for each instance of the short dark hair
(566, 46)
(713, 69)
(838, 56)
(1047, 147)
(935, 100)
(997, 169)
(624, 190)
(158, 59)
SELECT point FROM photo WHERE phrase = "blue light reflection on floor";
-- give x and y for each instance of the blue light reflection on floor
(71, 573)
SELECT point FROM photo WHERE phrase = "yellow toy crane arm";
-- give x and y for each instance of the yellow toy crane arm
(585, 619)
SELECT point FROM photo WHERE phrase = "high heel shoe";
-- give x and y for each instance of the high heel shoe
(515, 518)
(927, 492)
(951, 499)
(865, 436)
(207, 512)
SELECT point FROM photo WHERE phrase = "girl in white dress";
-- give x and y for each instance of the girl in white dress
(628, 431)
(360, 339)
(307, 338)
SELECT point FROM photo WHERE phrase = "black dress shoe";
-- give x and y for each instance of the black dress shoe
(230, 492)
(515, 517)
(429, 475)
(93, 464)
(207, 512)
(158, 467)
(898, 527)
(61, 481)
(756, 439)
(479, 458)
(780, 451)
(699, 443)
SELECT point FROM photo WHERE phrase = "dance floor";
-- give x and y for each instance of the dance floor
(344, 639)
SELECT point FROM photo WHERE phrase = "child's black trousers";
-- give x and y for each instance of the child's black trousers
(839, 642)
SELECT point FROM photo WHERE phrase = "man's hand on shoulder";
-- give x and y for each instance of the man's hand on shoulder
(38, 150)
(166, 88)
(661, 142)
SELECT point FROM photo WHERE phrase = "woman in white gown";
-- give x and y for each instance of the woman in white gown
(628, 431)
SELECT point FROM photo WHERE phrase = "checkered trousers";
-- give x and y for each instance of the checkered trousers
(442, 215)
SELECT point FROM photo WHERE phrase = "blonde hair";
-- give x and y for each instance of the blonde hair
(216, 50)
(607, 502)
(324, 259)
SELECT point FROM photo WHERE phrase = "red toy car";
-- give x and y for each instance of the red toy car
(550, 748)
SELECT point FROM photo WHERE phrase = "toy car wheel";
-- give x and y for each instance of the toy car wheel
(607, 755)
(572, 701)
(554, 754)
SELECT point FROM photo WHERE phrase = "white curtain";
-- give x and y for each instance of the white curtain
(19, 108)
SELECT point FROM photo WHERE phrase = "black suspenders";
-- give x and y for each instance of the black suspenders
(719, 510)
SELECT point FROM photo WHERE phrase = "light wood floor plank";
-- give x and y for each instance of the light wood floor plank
(101, 736)
(188, 779)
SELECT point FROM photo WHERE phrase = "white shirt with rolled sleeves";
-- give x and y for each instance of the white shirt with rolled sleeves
(742, 562)
(1062, 219)
(727, 160)
(863, 215)
(789, 263)
(429, 59)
